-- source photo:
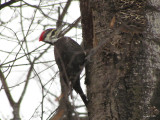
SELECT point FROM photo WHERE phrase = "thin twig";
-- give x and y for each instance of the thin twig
(64, 12)
(23, 55)
(27, 81)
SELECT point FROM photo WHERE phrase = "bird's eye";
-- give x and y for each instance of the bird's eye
(53, 33)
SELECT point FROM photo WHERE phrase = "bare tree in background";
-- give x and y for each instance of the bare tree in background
(25, 62)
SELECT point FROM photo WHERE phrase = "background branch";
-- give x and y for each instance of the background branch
(6, 89)
(6, 4)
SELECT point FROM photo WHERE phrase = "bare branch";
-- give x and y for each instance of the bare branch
(27, 81)
(64, 12)
(74, 24)
(6, 89)
(23, 55)
(28, 64)
(8, 3)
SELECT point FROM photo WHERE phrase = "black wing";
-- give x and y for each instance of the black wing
(69, 57)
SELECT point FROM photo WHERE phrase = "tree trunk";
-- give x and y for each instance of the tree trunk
(124, 62)
(16, 109)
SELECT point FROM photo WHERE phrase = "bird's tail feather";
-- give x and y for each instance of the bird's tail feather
(79, 90)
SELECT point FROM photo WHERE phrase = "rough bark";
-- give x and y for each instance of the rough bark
(153, 15)
(124, 65)
(87, 32)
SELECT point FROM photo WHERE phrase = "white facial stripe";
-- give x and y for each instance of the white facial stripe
(51, 38)
(54, 39)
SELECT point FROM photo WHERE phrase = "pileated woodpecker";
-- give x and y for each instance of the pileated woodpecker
(69, 57)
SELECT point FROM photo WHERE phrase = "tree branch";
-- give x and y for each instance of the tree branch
(27, 81)
(6, 4)
(23, 55)
(70, 26)
(61, 17)
(6, 89)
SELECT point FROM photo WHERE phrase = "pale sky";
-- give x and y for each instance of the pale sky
(32, 97)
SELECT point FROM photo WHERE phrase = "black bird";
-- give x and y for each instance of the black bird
(69, 57)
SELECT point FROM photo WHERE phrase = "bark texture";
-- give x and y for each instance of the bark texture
(124, 62)
(153, 15)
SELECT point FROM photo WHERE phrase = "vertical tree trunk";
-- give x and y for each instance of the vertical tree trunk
(87, 32)
(124, 63)
(153, 15)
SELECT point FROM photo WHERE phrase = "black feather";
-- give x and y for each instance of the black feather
(70, 59)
